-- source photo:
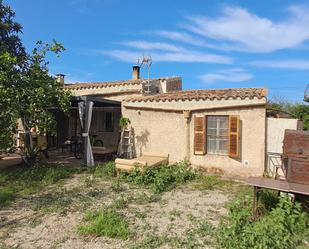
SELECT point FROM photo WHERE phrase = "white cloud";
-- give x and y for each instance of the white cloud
(245, 31)
(180, 36)
(144, 45)
(185, 56)
(230, 75)
(188, 38)
(282, 64)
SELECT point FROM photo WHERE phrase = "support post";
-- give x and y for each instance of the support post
(256, 191)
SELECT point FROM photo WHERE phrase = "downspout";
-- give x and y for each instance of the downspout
(187, 117)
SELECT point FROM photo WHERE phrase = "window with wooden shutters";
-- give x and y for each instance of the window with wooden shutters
(234, 136)
(199, 135)
(217, 135)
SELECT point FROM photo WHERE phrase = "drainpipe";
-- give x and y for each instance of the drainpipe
(187, 117)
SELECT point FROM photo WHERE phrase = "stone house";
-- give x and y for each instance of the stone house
(223, 129)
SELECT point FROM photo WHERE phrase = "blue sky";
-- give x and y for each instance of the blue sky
(210, 44)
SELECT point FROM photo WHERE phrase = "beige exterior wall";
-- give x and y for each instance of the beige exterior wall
(161, 131)
(252, 158)
(275, 132)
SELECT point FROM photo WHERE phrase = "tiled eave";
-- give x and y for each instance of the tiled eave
(215, 94)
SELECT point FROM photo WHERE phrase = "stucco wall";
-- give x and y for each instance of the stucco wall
(275, 132)
(160, 131)
(252, 153)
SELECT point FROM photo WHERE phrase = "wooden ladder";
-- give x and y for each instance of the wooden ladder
(125, 148)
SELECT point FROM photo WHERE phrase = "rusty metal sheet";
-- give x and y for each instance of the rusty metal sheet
(295, 143)
(298, 170)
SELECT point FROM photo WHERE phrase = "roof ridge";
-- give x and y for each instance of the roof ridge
(81, 85)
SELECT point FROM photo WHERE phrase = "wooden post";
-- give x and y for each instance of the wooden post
(255, 198)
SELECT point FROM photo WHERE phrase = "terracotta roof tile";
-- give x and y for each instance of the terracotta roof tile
(218, 94)
(92, 85)
(88, 85)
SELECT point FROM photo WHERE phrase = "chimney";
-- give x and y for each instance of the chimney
(136, 72)
(60, 78)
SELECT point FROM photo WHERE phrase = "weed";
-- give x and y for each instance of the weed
(105, 222)
(151, 241)
(120, 203)
(143, 198)
(106, 170)
(2, 246)
(89, 181)
(140, 215)
(175, 213)
(162, 178)
(192, 218)
(59, 201)
(214, 182)
(116, 186)
(282, 227)
(7, 195)
(24, 181)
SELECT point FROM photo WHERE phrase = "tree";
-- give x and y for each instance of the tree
(293, 110)
(12, 60)
(27, 91)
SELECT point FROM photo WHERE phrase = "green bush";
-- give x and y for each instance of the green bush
(281, 227)
(105, 170)
(162, 178)
(105, 222)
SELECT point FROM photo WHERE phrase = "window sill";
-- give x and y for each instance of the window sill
(212, 154)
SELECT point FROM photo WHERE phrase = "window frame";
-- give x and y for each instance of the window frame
(217, 136)
(110, 129)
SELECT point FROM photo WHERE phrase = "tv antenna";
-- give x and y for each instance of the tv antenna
(146, 61)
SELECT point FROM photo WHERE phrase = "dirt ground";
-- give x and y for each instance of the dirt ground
(181, 218)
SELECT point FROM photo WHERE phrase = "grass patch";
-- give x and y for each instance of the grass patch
(7, 195)
(150, 241)
(143, 198)
(105, 222)
(161, 178)
(105, 170)
(210, 182)
(63, 200)
(25, 181)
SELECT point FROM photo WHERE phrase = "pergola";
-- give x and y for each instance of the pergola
(85, 105)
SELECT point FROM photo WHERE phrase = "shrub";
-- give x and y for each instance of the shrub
(105, 222)
(105, 170)
(282, 227)
(162, 178)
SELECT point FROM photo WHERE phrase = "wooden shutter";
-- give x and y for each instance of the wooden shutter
(234, 136)
(199, 135)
